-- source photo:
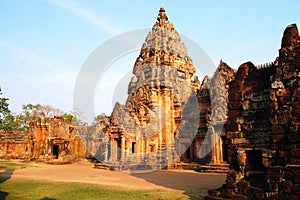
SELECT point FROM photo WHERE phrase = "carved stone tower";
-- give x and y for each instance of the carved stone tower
(159, 121)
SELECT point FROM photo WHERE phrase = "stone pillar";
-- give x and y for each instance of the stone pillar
(164, 121)
(159, 113)
(109, 149)
(105, 153)
(112, 150)
(145, 146)
(216, 141)
(122, 149)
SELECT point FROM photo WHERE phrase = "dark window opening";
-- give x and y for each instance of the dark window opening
(55, 151)
(119, 149)
(224, 149)
(152, 147)
(109, 150)
(254, 161)
(188, 153)
(255, 170)
(133, 148)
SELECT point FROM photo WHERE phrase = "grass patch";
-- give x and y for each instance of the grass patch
(25, 189)
(13, 165)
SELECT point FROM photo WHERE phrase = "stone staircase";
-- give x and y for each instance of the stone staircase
(209, 168)
(100, 165)
(164, 158)
(215, 168)
(135, 162)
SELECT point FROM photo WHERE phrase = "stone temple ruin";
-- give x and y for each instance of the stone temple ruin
(50, 140)
(248, 118)
(244, 122)
(147, 128)
(169, 119)
(262, 128)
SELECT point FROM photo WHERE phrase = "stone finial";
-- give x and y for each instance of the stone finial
(162, 16)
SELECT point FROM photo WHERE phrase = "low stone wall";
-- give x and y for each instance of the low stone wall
(14, 145)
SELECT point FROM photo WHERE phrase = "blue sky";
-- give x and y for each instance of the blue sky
(43, 44)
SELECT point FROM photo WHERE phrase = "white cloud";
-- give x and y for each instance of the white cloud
(22, 54)
(62, 78)
(48, 72)
(88, 16)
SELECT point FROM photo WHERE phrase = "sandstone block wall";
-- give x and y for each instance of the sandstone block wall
(263, 128)
(14, 145)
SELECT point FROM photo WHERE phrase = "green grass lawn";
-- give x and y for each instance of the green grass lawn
(12, 189)
(25, 189)
(12, 165)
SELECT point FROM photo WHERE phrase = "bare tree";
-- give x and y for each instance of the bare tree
(49, 111)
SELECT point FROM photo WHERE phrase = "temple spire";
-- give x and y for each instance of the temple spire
(163, 46)
(162, 16)
(162, 20)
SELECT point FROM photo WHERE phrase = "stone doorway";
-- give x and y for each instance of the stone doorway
(133, 148)
(185, 152)
(255, 170)
(188, 153)
(152, 148)
(224, 149)
(119, 149)
(254, 162)
(55, 151)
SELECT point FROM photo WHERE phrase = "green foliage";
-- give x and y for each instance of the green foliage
(5, 114)
(28, 112)
(68, 116)
(75, 118)
(102, 118)
(21, 121)
(8, 122)
(3, 105)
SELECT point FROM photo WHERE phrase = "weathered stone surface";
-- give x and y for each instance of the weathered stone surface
(161, 117)
(266, 115)
(249, 117)
(55, 139)
(14, 144)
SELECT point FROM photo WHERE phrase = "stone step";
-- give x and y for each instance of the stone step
(102, 166)
(215, 168)
(211, 168)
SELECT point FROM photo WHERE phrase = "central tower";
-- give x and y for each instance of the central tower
(154, 126)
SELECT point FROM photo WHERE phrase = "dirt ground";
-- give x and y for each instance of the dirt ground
(84, 172)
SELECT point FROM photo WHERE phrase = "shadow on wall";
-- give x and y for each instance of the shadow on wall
(3, 177)
(194, 185)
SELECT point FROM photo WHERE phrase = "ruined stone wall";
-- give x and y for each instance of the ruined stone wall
(263, 128)
(209, 144)
(51, 139)
(91, 138)
(248, 126)
(14, 145)
(55, 139)
(283, 176)
(203, 155)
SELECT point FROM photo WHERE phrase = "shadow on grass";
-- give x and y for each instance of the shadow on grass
(194, 185)
(3, 177)
(47, 198)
